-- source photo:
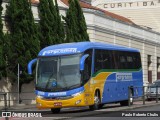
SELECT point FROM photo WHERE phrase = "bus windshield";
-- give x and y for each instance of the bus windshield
(58, 73)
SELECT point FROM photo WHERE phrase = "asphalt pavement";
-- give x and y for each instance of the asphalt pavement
(109, 110)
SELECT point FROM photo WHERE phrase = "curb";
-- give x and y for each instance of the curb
(141, 106)
(19, 107)
(24, 106)
(103, 111)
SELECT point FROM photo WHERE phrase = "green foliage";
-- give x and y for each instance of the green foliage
(81, 22)
(24, 44)
(51, 27)
(2, 62)
(7, 47)
(76, 29)
(60, 25)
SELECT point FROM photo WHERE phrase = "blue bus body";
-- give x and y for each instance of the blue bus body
(106, 68)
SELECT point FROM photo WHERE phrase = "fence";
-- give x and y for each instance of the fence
(5, 100)
(8, 99)
(5, 103)
(12, 98)
(148, 93)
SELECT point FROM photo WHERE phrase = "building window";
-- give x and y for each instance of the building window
(149, 59)
(158, 67)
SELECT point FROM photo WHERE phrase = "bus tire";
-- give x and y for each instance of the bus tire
(55, 110)
(125, 102)
(97, 101)
(131, 99)
(101, 106)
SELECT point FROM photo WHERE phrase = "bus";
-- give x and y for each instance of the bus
(86, 74)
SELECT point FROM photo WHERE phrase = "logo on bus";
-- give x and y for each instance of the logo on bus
(41, 93)
(60, 51)
(54, 83)
(56, 94)
(123, 76)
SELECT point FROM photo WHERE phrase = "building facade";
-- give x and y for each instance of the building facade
(114, 29)
(142, 12)
(106, 27)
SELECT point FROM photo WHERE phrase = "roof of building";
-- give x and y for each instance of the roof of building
(35, 1)
(89, 6)
(107, 13)
(79, 47)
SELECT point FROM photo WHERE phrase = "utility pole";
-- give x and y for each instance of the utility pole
(18, 85)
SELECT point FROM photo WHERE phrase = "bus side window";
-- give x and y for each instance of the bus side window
(128, 60)
(108, 60)
(137, 60)
(121, 59)
(98, 60)
(104, 60)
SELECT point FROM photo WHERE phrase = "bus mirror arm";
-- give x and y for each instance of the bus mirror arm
(82, 62)
(30, 65)
(81, 72)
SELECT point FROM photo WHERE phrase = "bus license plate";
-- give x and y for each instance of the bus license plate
(58, 104)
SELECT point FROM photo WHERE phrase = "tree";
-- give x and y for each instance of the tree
(58, 23)
(7, 54)
(24, 44)
(51, 27)
(82, 23)
(71, 23)
(2, 62)
(45, 29)
(76, 29)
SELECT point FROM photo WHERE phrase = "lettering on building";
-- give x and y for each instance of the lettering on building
(132, 4)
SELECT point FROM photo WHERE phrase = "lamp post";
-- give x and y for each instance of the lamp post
(18, 86)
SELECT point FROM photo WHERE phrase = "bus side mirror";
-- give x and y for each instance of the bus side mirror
(30, 66)
(82, 61)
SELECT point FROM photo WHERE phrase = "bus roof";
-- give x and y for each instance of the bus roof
(79, 47)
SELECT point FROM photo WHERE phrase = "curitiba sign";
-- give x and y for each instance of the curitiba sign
(108, 4)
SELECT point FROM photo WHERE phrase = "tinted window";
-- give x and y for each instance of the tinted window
(104, 60)
(128, 60)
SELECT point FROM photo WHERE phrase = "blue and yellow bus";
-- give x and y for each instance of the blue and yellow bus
(86, 74)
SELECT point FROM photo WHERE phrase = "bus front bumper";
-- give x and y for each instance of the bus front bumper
(75, 101)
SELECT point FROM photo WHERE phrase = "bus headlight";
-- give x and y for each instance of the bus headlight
(76, 94)
(77, 102)
(39, 104)
(41, 97)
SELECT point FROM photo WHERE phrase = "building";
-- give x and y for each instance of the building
(142, 12)
(108, 27)
(105, 26)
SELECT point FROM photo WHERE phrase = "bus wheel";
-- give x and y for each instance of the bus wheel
(125, 102)
(97, 102)
(101, 106)
(55, 110)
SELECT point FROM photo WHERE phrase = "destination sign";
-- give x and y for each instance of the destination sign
(60, 51)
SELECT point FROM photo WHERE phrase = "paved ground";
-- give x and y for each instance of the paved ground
(77, 112)
(143, 113)
(117, 106)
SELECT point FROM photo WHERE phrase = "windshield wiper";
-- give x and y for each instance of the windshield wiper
(48, 81)
(73, 86)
